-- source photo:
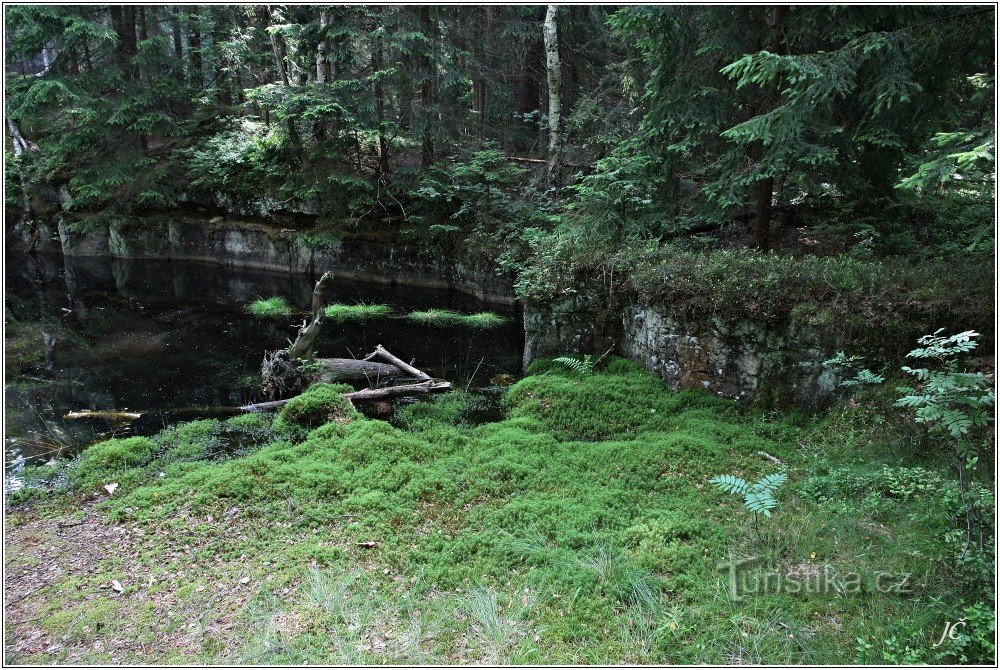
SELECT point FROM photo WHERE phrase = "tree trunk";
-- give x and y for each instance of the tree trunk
(194, 48)
(553, 70)
(427, 88)
(123, 23)
(277, 48)
(764, 189)
(175, 30)
(308, 333)
(764, 192)
(351, 370)
(322, 49)
(383, 141)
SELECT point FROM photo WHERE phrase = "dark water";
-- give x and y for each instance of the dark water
(151, 336)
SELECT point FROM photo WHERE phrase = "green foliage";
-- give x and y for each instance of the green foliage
(360, 312)
(758, 498)
(947, 399)
(319, 404)
(584, 365)
(270, 308)
(862, 376)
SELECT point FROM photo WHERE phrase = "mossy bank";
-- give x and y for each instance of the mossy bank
(579, 528)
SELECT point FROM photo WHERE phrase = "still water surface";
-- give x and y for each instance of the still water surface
(150, 336)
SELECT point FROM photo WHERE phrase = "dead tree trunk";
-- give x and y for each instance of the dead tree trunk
(553, 70)
(280, 372)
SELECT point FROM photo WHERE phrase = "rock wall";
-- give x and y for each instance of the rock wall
(257, 245)
(732, 358)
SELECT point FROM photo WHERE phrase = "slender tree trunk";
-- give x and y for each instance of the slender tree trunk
(194, 48)
(553, 70)
(123, 23)
(27, 216)
(427, 87)
(278, 49)
(764, 189)
(322, 49)
(175, 30)
(143, 28)
(383, 141)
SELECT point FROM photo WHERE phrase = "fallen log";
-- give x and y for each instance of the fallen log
(352, 370)
(381, 352)
(366, 395)
(114, 415)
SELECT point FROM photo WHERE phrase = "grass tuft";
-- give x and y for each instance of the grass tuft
(271, 308)
(339, 313)
(447, 317)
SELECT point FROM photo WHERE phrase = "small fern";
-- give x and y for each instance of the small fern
(758, 498)
(584, 366)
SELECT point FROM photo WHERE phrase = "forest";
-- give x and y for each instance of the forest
(688, 317)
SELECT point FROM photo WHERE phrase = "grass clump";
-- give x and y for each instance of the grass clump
(271, 308)
(484, 320)
(339, 313)
(447, 317)
(435, 317)
(319, 404)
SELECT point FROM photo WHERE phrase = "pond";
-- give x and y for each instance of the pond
(171, 340)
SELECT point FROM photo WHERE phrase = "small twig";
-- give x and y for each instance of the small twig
(603, 356)
(769, 457)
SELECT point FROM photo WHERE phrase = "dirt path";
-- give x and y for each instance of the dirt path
(83, 590)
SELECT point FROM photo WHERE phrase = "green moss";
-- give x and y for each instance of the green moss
(359, 312)
(319, 404)
(583, 518)
(271, 308)
(108, 460)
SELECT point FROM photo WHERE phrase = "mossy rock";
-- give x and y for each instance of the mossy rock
(319, 404)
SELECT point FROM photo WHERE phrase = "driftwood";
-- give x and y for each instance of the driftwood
(366, 395)
(115, 415)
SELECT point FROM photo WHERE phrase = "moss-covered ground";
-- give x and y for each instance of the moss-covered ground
(580, 528)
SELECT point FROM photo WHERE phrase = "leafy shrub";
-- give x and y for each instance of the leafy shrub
(319, 404)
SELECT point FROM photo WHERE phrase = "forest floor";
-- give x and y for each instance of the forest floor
(581, 528)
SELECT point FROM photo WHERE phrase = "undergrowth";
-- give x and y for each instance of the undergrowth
(580, 528)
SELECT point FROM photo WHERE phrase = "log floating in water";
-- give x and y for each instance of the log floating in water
(114, 415)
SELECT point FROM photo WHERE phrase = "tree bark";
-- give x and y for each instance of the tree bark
(383, 141)
(351, 370)
(194, 48)
(322, 49)
(764, 189)
(277, 48)
(553, 70)
(427, 87)
(123, 23)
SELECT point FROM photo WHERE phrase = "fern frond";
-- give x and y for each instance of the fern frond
(730, 484)
(770, 482)
(760, 502)
(583, 366)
